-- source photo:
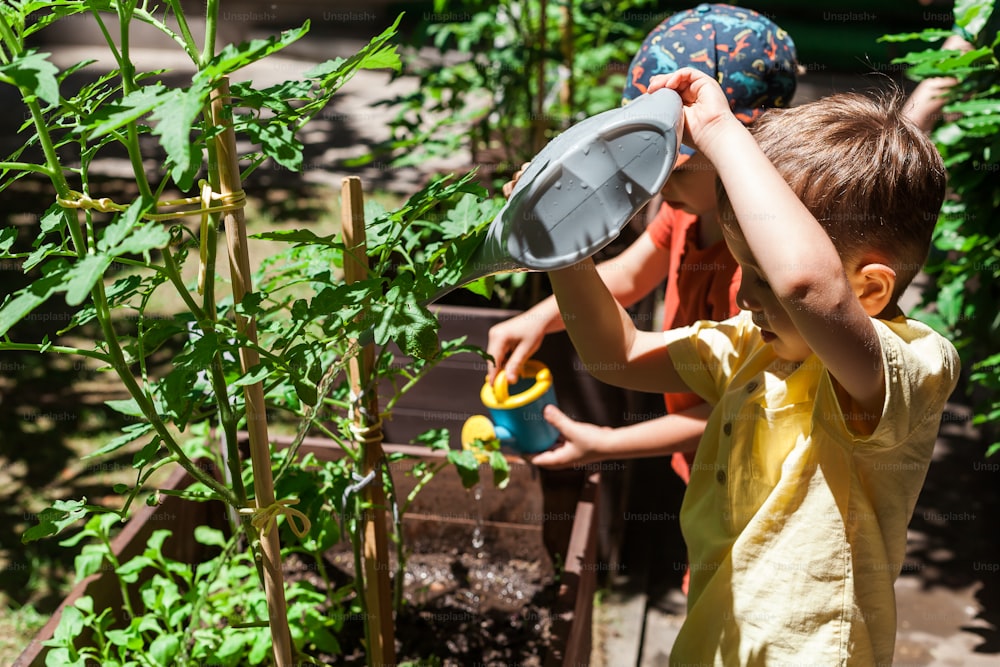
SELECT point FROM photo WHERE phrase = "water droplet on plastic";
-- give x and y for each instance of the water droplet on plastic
(628, 188)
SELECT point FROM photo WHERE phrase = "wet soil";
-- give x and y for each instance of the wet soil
(459, 608)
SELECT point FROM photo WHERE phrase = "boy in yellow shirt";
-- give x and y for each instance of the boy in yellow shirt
(827, 400)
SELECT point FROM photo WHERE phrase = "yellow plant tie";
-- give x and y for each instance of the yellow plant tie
(263, 518)
(213, 202)
(370, 435)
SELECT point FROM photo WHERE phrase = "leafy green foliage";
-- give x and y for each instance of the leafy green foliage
(104, 262)
(965, 262)
(187, 614)
(517, 76)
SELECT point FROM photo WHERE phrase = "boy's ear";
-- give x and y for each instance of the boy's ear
(874, 284)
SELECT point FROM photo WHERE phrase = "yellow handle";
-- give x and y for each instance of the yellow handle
(497, 395)
(501, 392)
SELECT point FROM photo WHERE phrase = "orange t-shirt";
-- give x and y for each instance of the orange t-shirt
(701, 285)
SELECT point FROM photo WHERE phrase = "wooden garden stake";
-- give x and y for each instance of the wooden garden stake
(239, 263)
(378, 593)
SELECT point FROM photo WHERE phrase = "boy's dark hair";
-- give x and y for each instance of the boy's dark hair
(869, 175)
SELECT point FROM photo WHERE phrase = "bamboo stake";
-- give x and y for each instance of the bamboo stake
(239, 263)
(378, 593)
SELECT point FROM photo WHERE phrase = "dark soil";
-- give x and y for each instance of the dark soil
(460, 608)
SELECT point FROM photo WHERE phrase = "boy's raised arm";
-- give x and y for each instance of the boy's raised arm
(788, 249)
(610, 346)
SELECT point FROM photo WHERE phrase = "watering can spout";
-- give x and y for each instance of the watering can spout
(581, 190)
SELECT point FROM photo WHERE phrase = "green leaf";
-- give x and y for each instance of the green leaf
(34, 74)
(120, 228)
(971, 15)
(300, 236)
(235, 56)
(261, 646)
(111, 116)
(435, 438)
(129, 572)
(256, 374)
(975, 107)
(71, 624)
(306, 391)
(375, 55)
(467, 466)
(8, 236)
(278, 142)
(928, 35)
(406, 321)
(232, 645)
(130, 433)
(89, 561)
(210, 537)
(501, 469)
(126, 406)
(147, 454)
(175, 118)
(482, 287)
(83, 276)
(26, 300)
(129, 235)
(55, 519)
(164, 648)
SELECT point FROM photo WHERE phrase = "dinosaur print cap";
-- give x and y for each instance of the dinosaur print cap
(751, 57)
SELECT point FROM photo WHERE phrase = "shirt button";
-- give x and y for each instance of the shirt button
(720, 477)
(751, 387)
(727, 428)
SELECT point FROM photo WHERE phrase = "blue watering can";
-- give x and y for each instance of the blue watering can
(515, 412)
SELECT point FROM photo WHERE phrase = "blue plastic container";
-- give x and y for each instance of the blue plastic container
(516, 411)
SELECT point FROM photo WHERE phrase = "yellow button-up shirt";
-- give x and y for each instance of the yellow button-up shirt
(795, 526)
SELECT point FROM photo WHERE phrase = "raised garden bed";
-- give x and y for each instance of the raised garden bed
(472, 602)
(478, 603)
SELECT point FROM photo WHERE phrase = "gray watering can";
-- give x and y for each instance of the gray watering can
(582, 188)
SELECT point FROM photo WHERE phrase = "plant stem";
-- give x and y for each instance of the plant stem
(110, 555)
(26, 166)
(9, 38)
(141, 479)
(60, 349)
(211, 21)
(190, 46)
(174, 275)
(397, 537)
(118, 362)
(424, 481)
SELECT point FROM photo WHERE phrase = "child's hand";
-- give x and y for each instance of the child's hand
(579, 445)
(511, 343)
(706, 107)
(508, 187)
